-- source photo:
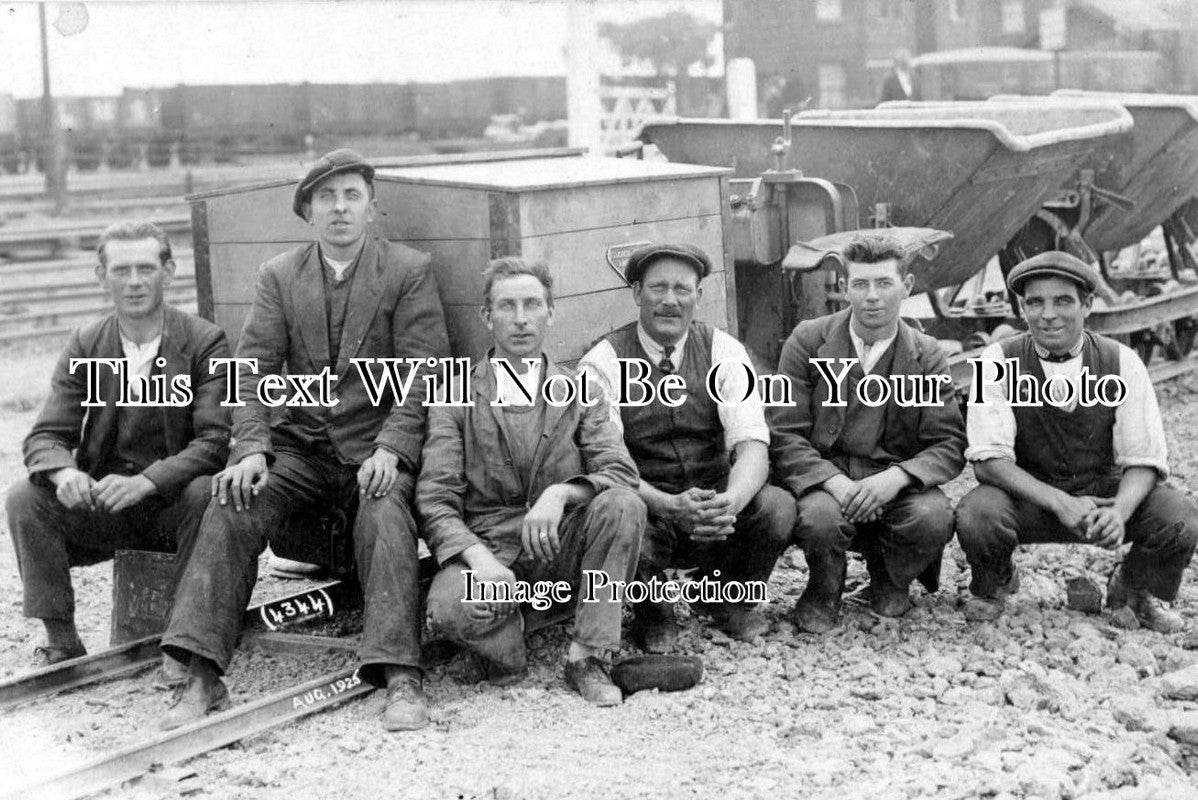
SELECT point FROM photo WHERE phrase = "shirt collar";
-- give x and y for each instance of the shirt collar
(656, 352)
(1074, 352)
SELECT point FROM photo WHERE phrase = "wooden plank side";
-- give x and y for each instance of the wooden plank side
(458, 266)
(578, 259)
(257, 215)
(573, 209)
(230, 317)
(415, 212)
(234, 268)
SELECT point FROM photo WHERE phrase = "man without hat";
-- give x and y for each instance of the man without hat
(867, 476)
(1070, 471)
(703, 464)
(131, 472)
(512, 490)
(346, 295)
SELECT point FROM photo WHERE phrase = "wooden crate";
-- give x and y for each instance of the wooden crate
(579, 214)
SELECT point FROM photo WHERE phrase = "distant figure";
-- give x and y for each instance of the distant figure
(900, 83)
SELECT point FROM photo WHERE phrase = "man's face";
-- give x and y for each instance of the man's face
(340, 209)
(518, 317)
(876, 293)
(135, 276)
(667, 295)
(1055, 312)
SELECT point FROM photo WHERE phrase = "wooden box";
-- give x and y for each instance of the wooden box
(582, 215)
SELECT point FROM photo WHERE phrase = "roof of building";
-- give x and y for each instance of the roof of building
(1133, 15)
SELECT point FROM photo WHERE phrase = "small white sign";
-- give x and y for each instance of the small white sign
(1052, 28)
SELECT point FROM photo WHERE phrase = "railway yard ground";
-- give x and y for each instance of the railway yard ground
(1048, 702)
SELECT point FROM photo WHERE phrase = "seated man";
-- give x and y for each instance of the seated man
(1065, 468)
(867, 474)
(128, 473)
(512, 491)
(703, 510)
(346, 295)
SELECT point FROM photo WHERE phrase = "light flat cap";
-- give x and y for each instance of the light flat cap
(1053, 264)
(642, 259)
(332, 163)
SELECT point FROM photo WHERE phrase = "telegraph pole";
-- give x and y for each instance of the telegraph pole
(582, 77)
(52, 146)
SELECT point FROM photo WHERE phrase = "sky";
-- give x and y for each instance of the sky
(144, 44)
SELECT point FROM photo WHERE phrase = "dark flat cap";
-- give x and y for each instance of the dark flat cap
(642, 259)
(331, 163)
(1053, 264)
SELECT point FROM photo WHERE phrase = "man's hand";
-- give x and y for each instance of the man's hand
(378, 473)
(870, 496)
(1073, 512)
(1104, 527)
(716, 520)
(73, 488)
(538, 534)
(242, 482)
(487, 569)
(115, 493)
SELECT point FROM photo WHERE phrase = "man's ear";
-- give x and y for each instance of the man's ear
(102, 275)
(484, 313)
(169, 267)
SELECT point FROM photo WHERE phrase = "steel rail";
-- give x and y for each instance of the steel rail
(199, 737)
(319, 602)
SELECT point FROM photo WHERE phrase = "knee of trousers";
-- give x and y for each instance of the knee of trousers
(389, 516)
(196, 495)
(618, 511)
(445, 610)
(1179, 515)
(980, 518)
(928, 518)
(27, 500)
(773, 514)
(820, 524)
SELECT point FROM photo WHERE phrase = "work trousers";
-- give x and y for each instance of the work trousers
(906, 543)
(762, 532)
(603, 535)
(1162, 533)
(49, 538)
(217, 584)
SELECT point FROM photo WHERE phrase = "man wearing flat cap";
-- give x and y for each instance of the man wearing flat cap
(346, 295)
(703, 465)
(1065, 468)
(867, 476)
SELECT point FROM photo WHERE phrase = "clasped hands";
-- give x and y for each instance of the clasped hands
(707, 515)
(865, 500)
(77, 490)
(1097, 519)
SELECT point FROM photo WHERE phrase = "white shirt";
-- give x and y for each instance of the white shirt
(139, 362)
(338, 267)
(869, 360)
(741, 421)
(1138, 436)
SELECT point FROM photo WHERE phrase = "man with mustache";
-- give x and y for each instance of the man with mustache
(1068, 469)
(703, 464)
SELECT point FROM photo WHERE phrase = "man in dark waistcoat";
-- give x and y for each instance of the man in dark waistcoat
(131, 471)
(347, 295)
(1070, 464)
(703, 464)
(867, 474)
(518, 491)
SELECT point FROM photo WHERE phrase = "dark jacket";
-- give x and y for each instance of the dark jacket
(393, 312)
(68, 434)
(469, 490)
(931, 440)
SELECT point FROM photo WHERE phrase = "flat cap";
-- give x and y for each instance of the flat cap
(1053, 264)
(332, 163)
(642, 259)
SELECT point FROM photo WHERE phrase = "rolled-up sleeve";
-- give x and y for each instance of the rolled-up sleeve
(1139, 434)
(990, 424)
(743, 416)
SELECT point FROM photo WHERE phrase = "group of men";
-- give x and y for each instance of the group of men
(510, 488)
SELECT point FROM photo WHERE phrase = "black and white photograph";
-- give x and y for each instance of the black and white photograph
(539, 399)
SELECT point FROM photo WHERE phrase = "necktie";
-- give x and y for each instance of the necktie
(666, 365)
